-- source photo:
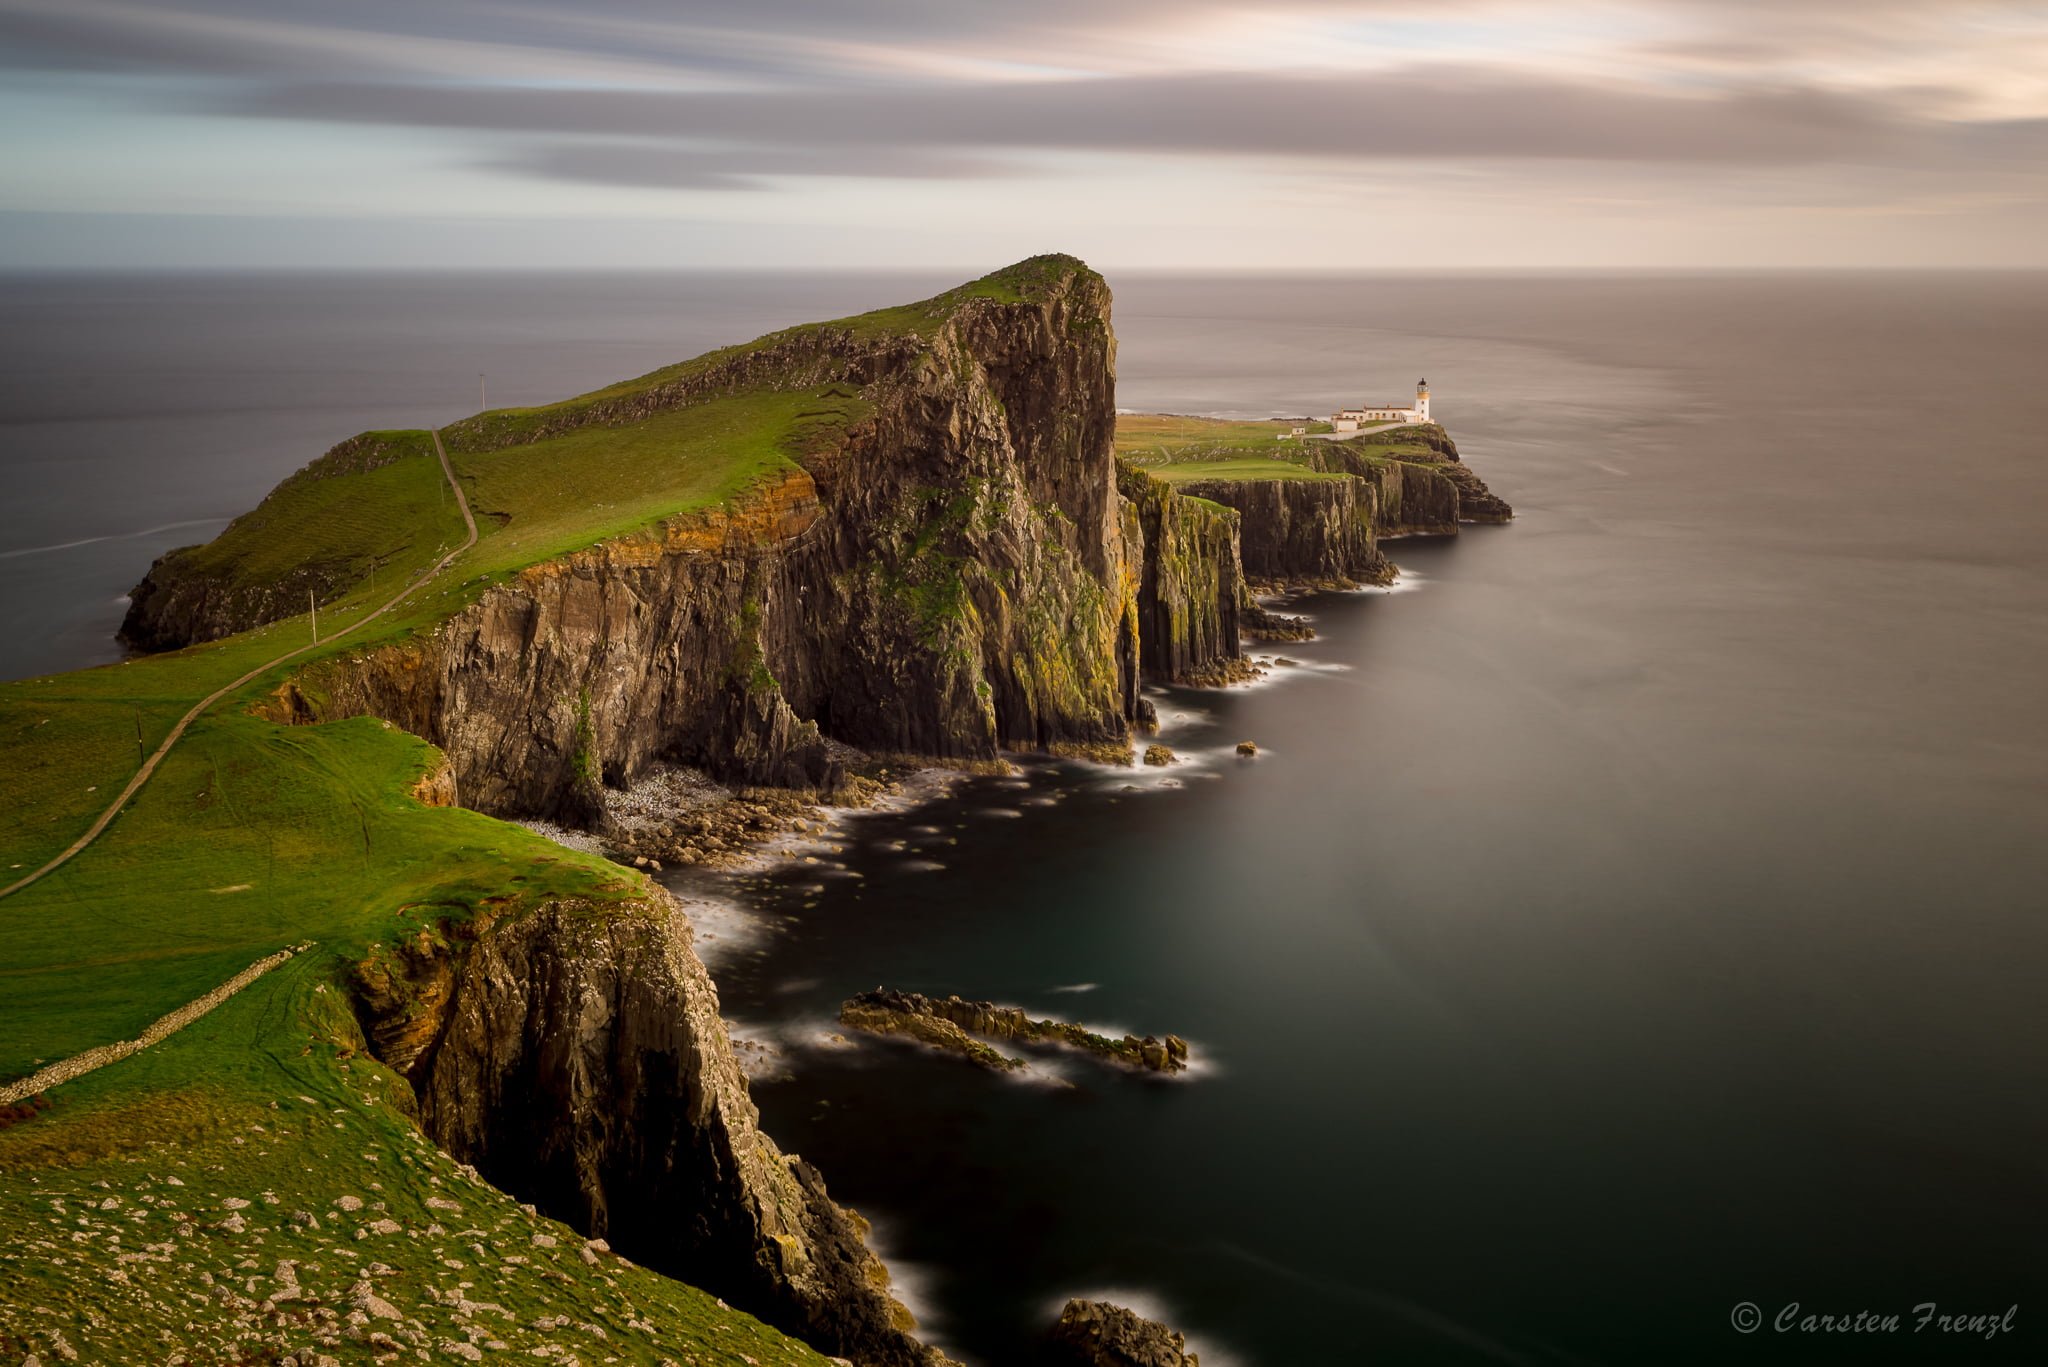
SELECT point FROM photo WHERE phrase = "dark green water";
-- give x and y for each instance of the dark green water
(1646, 918)
(1642, 916)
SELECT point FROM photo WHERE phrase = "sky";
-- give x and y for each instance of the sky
(1167, 134)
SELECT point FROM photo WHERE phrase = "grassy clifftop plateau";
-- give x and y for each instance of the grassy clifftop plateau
(1171, 447)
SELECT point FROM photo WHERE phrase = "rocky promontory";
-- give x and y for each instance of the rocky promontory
(1421, 486)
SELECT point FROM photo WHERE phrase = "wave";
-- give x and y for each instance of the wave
(115, 536)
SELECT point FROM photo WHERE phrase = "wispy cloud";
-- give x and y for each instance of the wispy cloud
(1439, 112)
(728, 95)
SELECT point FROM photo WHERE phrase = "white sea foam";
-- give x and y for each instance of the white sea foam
(1075, 987)
(724, 927)
(111, 536)
(909, 1282)
(1408, 581)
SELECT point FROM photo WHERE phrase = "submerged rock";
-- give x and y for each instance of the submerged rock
(868, 1012)
(1248, 749)
(950, 1023)
(1105, 752)
(1098, 1334)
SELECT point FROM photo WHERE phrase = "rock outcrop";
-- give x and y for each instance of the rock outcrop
(576, 1057)
(1476, 502)
(1098, 1334)
(950, 1022)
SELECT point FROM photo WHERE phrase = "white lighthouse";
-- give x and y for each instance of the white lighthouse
(1351, 419)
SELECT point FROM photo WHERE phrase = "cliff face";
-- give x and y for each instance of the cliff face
(1302, 533)
(577, 1059)
(1191, 591)
(1410, 500)
(174, 606)
(951, 575)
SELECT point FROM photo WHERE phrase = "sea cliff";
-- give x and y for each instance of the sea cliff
(575, 1055)
(949, 576)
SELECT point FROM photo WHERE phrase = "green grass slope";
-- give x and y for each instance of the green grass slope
(1257, 468)
(1177, 449)
(251, 1189)
(1174, 448)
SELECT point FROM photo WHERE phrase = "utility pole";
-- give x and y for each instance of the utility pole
(313, 610)
(482, 395)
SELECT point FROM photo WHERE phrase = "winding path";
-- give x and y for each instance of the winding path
(149, 766)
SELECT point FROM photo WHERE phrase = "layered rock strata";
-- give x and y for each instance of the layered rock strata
(1428, 496)
(1302, 533)
(1191, 592)
(950, 1023)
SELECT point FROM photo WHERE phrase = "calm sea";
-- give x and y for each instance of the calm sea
(1638, 915)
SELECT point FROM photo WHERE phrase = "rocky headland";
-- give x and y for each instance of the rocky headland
(935, 558)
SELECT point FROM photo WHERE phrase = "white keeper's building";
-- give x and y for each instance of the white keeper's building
(1351, 419)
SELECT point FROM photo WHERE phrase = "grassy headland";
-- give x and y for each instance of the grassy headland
(1177, 449)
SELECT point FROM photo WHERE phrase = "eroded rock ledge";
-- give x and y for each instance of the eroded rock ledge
(951, 1023)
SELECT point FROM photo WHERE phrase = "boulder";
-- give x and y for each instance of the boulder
(1098, 1334)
